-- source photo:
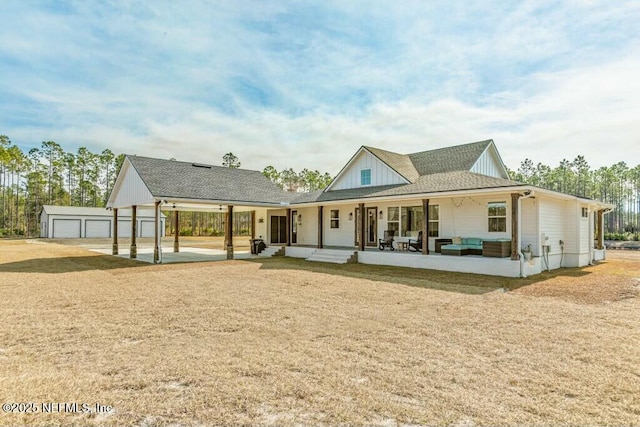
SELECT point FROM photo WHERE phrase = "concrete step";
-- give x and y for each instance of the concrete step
(270, 251)
(332, 256)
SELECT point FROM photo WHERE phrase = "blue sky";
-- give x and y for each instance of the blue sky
(305, 84)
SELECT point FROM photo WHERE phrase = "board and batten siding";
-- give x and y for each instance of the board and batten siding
(133, 190)
(381, 174)
(489, 164)
(344, 235)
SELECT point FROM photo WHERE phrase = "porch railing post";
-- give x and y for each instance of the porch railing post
(425, 227)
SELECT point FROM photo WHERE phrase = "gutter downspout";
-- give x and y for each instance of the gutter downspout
(520, 254)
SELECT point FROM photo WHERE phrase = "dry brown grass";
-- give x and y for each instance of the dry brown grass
(282, 342)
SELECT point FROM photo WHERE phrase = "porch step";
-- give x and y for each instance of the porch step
(333, 256)
(270, 251)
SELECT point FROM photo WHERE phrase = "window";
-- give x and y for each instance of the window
(585, 213)
(412, 219)
(365, 177)
(497, 216)
(393, 219)
(335, 218)
(434, 220)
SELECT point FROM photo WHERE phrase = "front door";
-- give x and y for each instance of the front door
(278, 229)
(294, 227)
(371, 227)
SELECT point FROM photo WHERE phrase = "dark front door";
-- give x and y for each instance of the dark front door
(278, 229)
(294, 227)
(371, 227)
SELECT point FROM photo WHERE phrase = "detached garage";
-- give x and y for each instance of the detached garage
(71, 222)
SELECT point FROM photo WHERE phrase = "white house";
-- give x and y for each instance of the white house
(474, 218)
(63, 222)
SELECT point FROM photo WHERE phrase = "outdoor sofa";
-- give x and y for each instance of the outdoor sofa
(476, 246)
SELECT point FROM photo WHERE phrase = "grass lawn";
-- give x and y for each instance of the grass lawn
(287, 342)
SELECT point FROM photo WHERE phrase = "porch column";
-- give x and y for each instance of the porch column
(229, 232)
(425, 227)
(362, 226)
(515, 239)
(156, 234)
(253, 224)
(133, 251)
(600, 225)
(288, 226)
(176, 232)
(320, 242)
(226, 224)
(115, 232)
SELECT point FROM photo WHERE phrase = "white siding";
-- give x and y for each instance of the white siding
(308, 226)
(343, 236)
(261, 227)
(468, 216)
(131, 190)
(381, 174)
(552, 222)
(584, 231)
(489, 164)
(529, 226)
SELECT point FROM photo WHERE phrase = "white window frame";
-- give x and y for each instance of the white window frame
(362, 184)
(334, 222)
(434, 221)
(490, 217)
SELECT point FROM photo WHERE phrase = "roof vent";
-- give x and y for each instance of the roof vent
(201, 165)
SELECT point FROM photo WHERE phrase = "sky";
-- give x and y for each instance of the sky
(305, 84)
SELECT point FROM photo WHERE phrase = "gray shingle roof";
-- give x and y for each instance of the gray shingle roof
(433, 183)
(185, 180)
(448, 159)
(401, 163)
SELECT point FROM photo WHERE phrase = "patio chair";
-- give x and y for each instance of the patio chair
(416, 245)
(387, 242)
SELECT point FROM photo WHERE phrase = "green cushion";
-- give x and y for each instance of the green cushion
(472, 241)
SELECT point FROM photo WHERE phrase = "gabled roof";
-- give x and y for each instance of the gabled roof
(169, 179)
(449, 159)
(413, 166)
(401, 163)
(432, 183)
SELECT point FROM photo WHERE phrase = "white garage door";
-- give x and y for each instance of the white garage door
(146, 228)
(97, 228)
(66, 228)
(124, 228)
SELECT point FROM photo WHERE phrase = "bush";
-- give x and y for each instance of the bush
(186, 232)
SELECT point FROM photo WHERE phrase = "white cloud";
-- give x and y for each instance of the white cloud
(305, 85)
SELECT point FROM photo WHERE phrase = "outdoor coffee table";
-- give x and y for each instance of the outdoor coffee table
(454, 250)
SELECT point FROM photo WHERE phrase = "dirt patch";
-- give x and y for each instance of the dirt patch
(279, 343)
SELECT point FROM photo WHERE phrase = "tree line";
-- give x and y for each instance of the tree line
(618, 185)
(50, 175)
